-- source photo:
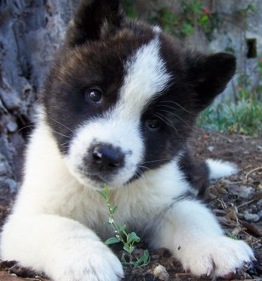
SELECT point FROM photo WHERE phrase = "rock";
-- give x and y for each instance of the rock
(30, 34)
(211, 148)
(11, 124)
(259, 203)
(5, 168)
(260, 215)
(160, 272)
(251, 217)
(241, 191)
(12, 185)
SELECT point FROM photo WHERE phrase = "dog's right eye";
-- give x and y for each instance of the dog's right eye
(94, 95)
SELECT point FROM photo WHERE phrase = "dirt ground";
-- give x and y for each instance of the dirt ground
(236, 201)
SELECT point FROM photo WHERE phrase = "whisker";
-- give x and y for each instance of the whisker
(178, 105)
(177, 116)
(143, 167)
(141, 174)
(59, 133)
(65, 144)
(166, 121)
(159, 160)
(61, 124)
(63, 135)
(26, 127)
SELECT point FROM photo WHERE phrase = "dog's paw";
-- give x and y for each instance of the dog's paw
(217, 257)
(95, 263)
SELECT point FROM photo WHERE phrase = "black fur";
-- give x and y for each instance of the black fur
(196, 171)
(93, 20)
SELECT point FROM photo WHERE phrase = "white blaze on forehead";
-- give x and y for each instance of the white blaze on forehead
(145, 79)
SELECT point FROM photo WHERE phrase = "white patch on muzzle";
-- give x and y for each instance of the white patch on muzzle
(119, 127)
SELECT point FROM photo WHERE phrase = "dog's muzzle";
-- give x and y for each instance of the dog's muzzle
(104, 161)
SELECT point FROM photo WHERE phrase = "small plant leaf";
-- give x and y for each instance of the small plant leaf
(122, 228)
(145, 258)
(114, 209)
(102, 194)
(132, 238)
(112, 240)
(123, 259)
(127, 239)
(128, 248)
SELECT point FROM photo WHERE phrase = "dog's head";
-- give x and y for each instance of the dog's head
(122, 96)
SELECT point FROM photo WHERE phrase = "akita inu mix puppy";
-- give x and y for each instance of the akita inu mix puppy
(118, 107)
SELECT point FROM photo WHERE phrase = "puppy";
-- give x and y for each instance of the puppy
(117, 108)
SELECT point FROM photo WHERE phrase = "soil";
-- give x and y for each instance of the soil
(236, 201)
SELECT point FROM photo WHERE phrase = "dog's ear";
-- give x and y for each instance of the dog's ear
(209, 76)
(93, 20)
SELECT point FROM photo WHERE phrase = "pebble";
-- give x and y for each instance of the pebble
(260, 214)
(259, 203)
(211, 148)
(251, 217)
(241, 191)
(10, 97)
(160, 272)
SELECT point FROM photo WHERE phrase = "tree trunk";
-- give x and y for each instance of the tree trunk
(30, 32)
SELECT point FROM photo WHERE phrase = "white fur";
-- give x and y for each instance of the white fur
(50, 229)
(146, 78)
(219, 169)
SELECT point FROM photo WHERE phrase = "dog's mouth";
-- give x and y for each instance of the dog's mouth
(108, 179)
(100, 180)
(97, 179)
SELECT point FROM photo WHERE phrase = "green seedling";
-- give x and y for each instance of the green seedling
(128, 240)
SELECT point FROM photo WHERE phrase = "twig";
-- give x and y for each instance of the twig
(247, 203)
(254, 170)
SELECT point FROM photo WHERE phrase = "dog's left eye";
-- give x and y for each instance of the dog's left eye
(153, 124)
(94, 95)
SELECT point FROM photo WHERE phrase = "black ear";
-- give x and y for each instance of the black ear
(93, 19)
(209, 76)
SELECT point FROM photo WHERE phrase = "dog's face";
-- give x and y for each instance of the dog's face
(122, 96)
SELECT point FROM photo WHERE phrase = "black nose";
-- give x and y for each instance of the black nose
(106, 157)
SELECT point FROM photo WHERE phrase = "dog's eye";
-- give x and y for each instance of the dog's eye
(153, 124)
(94, 95)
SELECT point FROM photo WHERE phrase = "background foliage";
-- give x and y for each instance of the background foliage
(241, 109)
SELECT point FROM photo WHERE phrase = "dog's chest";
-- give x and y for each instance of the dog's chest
(138, 209)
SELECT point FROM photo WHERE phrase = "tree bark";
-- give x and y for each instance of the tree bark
(30, 33)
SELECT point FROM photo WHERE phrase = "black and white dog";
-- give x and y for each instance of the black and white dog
(118, 107)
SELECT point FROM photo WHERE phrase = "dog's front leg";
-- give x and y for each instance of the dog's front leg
(195, 238)
(63, 248)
